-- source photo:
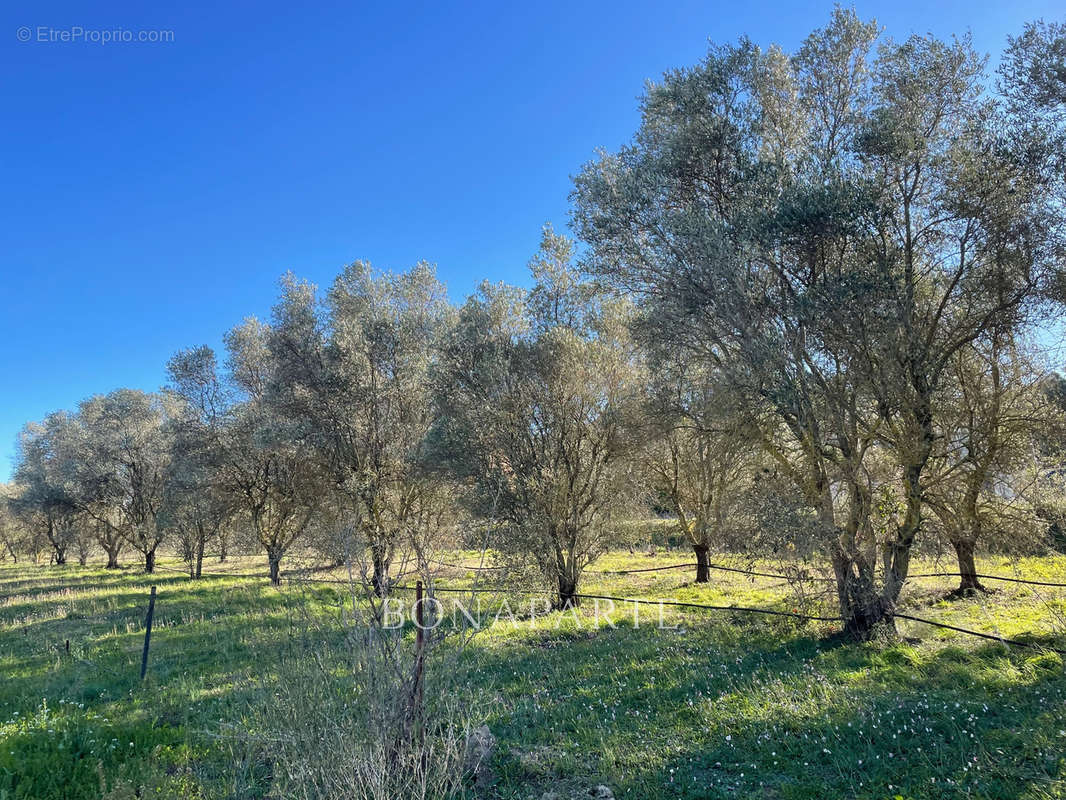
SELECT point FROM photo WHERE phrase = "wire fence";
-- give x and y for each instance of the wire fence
(800, 577)
(689, 605)
(777, 575)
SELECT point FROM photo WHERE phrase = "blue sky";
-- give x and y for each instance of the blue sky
(156, 192)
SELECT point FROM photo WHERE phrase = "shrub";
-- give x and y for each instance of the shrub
(339, 719)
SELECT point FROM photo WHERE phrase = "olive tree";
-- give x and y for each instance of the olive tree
(961, 246)
(108, 535)
(264, 464)
(46, 500)
(988, 467)
(195, 508)
(11, 545)
(728, 221)
(355, 371)
(539, 389)
(698, 456)
(124, 463)
(91, 494)
(20, 533)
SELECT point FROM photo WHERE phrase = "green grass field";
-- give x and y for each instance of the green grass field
(713, 705)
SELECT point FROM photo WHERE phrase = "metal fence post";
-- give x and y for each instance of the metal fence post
(147, 633)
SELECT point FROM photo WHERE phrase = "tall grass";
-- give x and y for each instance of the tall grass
(343, 717)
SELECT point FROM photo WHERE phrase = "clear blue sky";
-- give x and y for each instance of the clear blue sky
(155, 192)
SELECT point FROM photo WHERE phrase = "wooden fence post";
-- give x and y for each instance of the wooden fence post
(147, 633)
(420, 644)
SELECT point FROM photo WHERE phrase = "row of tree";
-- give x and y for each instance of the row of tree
(857, 237)
(803, 323)
(365, 423)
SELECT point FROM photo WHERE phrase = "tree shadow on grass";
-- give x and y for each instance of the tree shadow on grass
(709, 714)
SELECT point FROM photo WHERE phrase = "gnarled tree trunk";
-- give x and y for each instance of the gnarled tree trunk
(381, 560)
(564, 565)
(866, 611)
(567, 593)
(274, 560)
(199, 556)
(703, 570)
(964, 551)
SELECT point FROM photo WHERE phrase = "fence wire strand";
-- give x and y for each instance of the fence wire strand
(682, 604)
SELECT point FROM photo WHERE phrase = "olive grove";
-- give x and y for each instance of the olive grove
(806, 311)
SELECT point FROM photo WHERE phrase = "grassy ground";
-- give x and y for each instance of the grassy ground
(704, 705)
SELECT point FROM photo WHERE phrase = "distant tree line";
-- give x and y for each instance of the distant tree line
(804, 319)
